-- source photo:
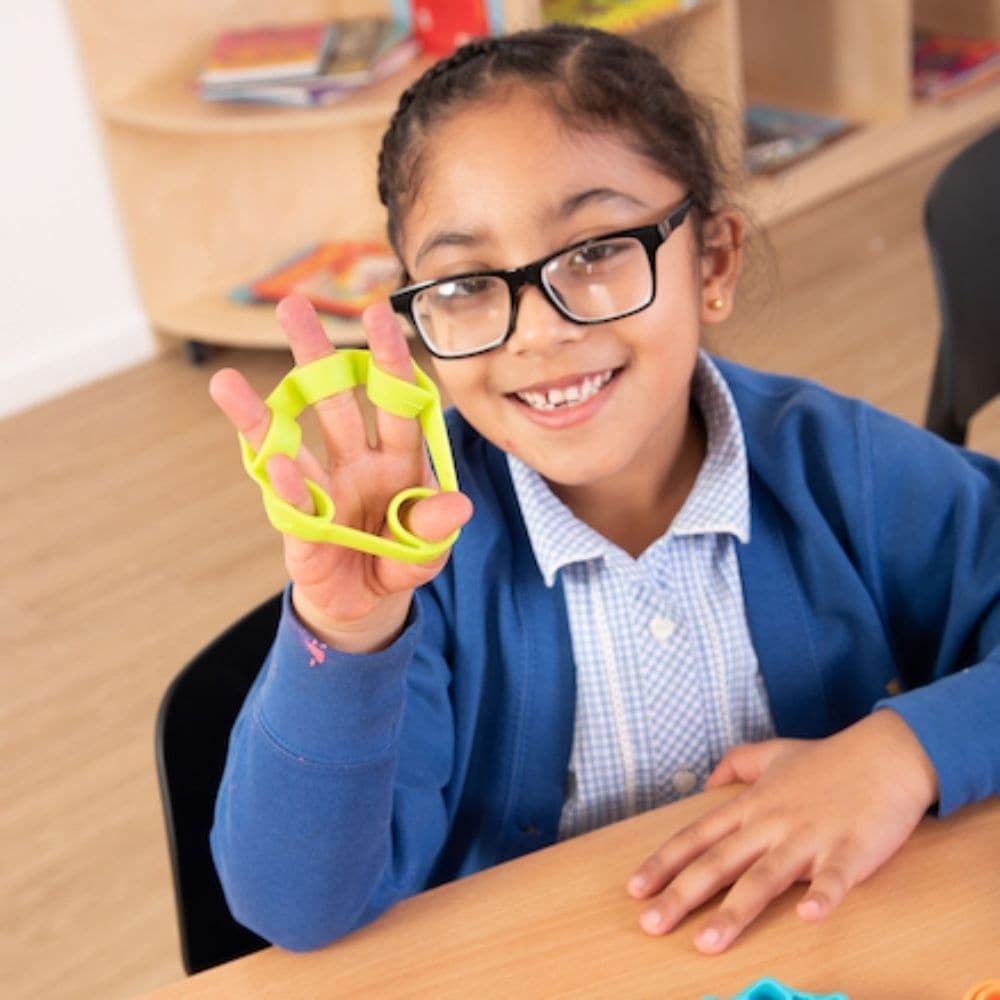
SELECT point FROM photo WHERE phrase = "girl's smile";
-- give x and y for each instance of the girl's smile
(565, 394)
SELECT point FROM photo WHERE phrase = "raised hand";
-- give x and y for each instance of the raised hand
(353, 601)
(828, 812)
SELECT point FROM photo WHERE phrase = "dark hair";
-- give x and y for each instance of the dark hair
(591, 78)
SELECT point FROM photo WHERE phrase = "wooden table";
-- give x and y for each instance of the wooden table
(558, 923)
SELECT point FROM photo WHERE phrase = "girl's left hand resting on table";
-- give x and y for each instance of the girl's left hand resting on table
(829, 812)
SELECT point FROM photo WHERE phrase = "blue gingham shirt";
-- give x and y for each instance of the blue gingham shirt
(667, 678)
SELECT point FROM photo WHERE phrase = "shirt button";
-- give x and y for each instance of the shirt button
(662, 628)
(684, 782)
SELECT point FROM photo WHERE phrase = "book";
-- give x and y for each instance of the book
(269, 52)
(777, 137)
(442, 26)
(945, 66)
(340, 277)
(360, 43)
(365, 51)
(609, 15)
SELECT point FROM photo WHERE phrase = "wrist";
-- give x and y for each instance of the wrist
(902, 745)
(369, 633)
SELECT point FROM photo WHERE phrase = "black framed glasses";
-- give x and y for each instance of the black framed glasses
(596, 280)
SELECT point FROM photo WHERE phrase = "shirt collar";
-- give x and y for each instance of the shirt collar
(719, 501)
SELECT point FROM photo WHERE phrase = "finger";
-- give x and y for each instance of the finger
(747, 762)
(827, 890)
(762, 882)
(341, 422)
(306, 335)
(248, 413)
(391, 354)
(244, 409)
(724, 773)
(681, 849)
(289, 483)
(701, 880)
(433, 519)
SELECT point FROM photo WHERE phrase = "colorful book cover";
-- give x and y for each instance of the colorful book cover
(269, 52)
(626, 15)
(392, 46)
(946, 65)
(442, 26)
(777, 137)
(357, 48)
(341, 278)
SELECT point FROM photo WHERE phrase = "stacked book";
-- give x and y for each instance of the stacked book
(945, 66)
(341, 277)
(776, 137)
(612, 15)
(304, 65)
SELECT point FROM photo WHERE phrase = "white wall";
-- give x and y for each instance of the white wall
(69, 310)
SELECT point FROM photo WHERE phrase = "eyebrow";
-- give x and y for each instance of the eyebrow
(453, 238)
(577, 201)
(567, 208)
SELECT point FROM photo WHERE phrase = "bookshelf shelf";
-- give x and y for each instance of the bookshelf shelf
(867, 151)
(214, 318)
(169, 103)
(211, 195)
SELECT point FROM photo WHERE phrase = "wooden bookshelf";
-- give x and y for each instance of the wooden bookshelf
(211, 195)
(214, 318)
(168, 104)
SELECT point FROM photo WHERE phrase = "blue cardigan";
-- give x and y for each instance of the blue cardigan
(872, 576)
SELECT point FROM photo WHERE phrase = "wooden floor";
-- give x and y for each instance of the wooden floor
(130, 537)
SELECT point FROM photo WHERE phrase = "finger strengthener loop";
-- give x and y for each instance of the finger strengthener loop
(303, 386)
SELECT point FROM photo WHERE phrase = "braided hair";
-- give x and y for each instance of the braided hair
(591, 79)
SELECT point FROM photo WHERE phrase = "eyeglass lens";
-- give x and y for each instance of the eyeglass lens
(598, 281)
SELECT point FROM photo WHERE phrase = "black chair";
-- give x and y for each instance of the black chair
(192, 733)
(962, 223)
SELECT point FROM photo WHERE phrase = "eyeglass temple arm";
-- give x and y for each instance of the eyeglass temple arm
(676, 217)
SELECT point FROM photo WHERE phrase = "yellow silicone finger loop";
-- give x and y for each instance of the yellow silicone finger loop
(401, 532)
(283, 437)
(436, 434)
(326, 377)
(287, 399)
(403, 399)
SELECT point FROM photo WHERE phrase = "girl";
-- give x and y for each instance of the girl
(675, 573)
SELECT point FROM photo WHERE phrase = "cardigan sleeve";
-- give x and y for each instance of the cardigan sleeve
(935, 527)
(318, 827)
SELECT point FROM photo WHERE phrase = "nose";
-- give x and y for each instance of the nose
(539, 328)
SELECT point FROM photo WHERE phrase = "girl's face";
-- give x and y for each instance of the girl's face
(504, 184)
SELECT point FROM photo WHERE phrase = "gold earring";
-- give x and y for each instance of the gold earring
(716, 303)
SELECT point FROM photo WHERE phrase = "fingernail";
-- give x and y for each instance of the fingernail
(709, 937)
(652, 920)
(810, 908)
(636, 884)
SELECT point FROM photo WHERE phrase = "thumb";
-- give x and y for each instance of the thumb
(746, 762)
(435, 517)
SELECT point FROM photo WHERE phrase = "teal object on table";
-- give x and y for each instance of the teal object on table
(771, 989)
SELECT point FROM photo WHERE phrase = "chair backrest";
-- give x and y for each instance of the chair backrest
(962, 223)
(192, 734)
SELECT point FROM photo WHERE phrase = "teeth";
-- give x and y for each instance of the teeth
(571, 395)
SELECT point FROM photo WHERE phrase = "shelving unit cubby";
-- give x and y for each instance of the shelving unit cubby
(210, 195)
